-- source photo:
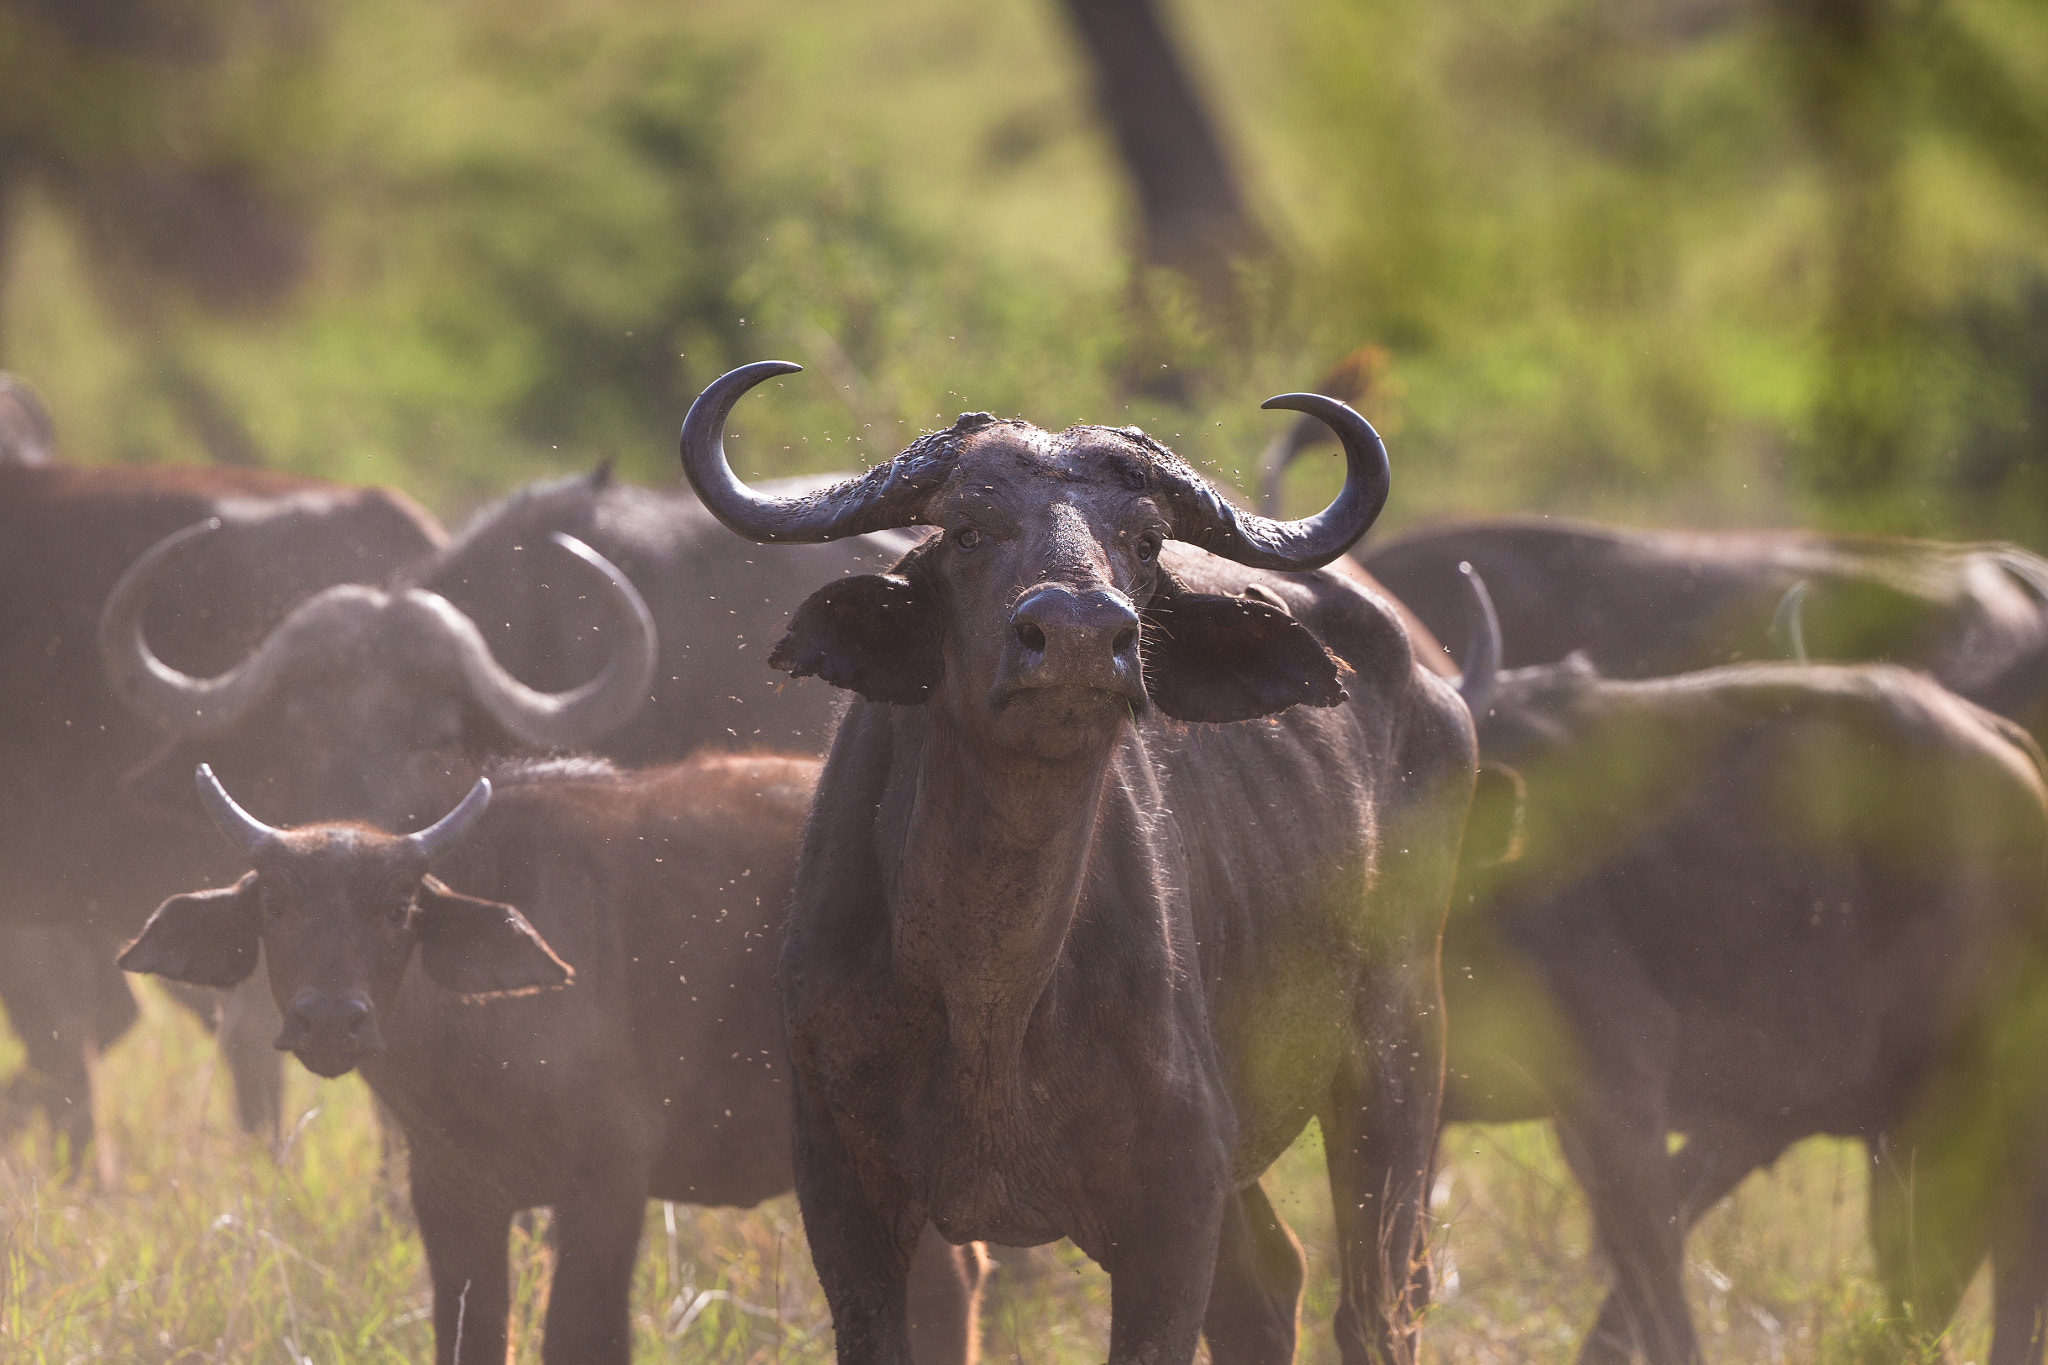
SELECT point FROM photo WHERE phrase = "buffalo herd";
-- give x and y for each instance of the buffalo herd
(1022, 841)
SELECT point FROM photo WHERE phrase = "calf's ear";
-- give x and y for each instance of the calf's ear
(1216, 659)
(205, 938)
(874, 634)
(480, 949)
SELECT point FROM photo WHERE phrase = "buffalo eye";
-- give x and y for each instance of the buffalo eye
(967, 538)
(399, 911)
(1148, 548)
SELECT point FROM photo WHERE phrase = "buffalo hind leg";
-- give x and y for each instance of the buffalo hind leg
(1615, 1146)
(1255, 1299)
(1705, 1171)
(2019, 1264)
(1379, 1143)
(597, 1238)
(464, 1229)
(945, 1300)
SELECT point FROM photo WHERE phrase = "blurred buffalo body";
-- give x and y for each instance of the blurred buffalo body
(1749, 905)
(657, 1073)
(719, 605)
(384, 704)
(85, 862)
(1646, 603)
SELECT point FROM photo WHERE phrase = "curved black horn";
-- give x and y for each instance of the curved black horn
(1482, 646)
(244, 830)
(887, 496)
(447, 831)
(1208, 521)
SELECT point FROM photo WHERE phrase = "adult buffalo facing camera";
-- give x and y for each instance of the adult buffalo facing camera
(1749, 905)
(1073, 951)
(655, 897)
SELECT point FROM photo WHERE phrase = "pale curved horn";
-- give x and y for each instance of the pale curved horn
(561, 720)
(1788, 622)
(1202, 517)
(447, 831)
(244, 830)
(1482, 647)
(886, 497)
(151, 688)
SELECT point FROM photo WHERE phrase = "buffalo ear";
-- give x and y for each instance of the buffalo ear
(204, 938)
(1493, 831)
(874, 634)
(1214, 658)
(480, 949)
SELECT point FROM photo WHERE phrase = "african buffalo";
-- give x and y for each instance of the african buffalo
(656, 898)
(382, 704)
(1647, 603)
(84, 863)
(1110, 884)
(1748, 905)
(717, 608)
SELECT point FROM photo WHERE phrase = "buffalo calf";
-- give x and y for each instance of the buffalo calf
(613, 1039)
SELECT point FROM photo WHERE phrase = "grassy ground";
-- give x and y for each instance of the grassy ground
(189, 1244)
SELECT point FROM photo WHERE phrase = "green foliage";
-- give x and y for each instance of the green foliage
(1704, 260)
(1728, 261)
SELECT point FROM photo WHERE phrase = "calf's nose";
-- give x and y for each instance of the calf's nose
(327, 1019)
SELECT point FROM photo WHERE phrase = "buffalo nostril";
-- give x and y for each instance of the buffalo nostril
(1125, 638)
(1031, 637)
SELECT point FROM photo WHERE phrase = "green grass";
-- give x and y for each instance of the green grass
(189, 1243)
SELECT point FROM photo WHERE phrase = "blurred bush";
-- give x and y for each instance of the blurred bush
(1701, 260)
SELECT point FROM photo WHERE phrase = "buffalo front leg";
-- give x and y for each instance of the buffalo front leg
(945, 1300)
(249, 1025)
(1379, 1142)
(860, 1246)
(464, 1229)
(1163, 1252)
(66, 1000)
(597, 1238)
(1255, 1298)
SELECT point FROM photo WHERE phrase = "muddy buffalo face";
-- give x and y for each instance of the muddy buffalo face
(1041, 615)
(338, 912)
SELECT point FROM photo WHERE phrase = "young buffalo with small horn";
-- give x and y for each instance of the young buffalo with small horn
(656, 898)
(1130, 858)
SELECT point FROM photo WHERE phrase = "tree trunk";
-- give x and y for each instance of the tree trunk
(1193, 213)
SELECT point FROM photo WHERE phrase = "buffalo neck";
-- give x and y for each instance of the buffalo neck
(994, 857)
